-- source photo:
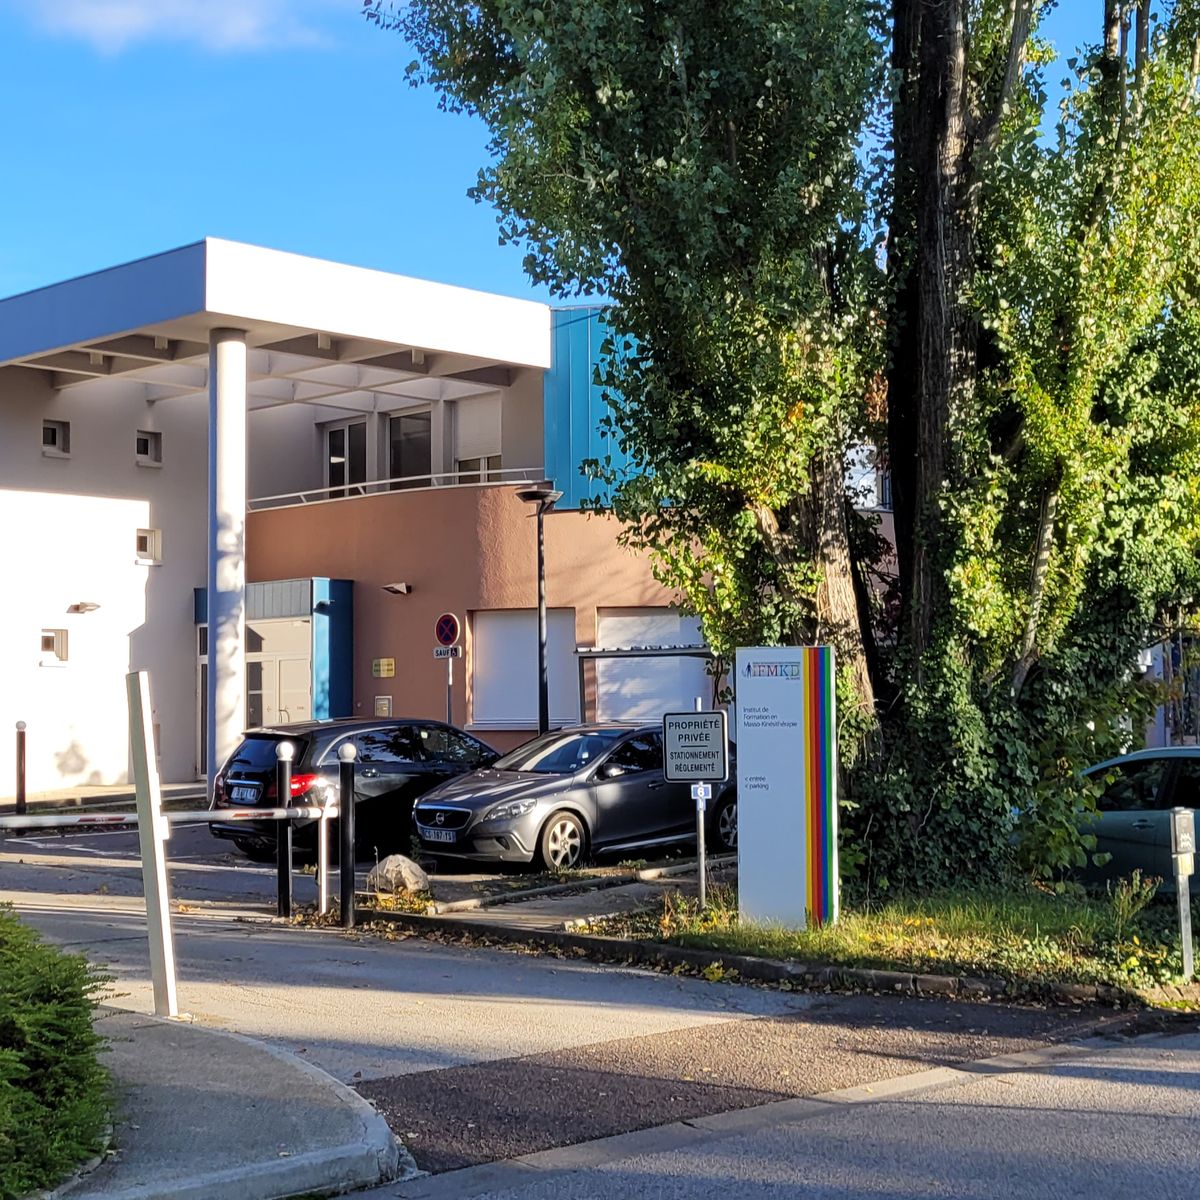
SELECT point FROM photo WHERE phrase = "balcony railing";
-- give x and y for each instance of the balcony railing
(502, 477)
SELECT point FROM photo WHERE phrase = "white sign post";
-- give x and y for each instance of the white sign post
(153, 832)
(787, 785)
(696, 751)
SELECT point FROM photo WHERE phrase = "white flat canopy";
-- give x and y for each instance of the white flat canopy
(317, 331)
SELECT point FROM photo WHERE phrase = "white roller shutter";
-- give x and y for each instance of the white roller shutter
(504, 683)
(642, 689)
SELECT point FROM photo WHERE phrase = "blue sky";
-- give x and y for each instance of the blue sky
(137, 125)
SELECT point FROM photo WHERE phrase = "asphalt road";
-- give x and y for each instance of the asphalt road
(477, 1055)
(1102, 1123)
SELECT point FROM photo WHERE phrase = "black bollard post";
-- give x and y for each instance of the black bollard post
(346, 755)
(283, 843)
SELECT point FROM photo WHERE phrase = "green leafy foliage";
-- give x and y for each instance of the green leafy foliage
(53, 1091)
(726, 174)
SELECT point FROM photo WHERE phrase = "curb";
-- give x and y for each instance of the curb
(374, 1156)
(595, 883)
(807, 976)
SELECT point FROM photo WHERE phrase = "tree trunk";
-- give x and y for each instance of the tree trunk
(934, 376)
(822, 515)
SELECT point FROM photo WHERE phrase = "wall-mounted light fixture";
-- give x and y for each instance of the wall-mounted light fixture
(84, 606)
(398, 589)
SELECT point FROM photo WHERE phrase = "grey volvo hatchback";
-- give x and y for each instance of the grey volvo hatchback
(561, 796)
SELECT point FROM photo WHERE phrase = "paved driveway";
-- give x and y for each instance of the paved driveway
(480, 1055)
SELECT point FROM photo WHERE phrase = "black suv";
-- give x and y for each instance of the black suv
(397, 761)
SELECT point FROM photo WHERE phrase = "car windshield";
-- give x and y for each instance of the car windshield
(560, 753)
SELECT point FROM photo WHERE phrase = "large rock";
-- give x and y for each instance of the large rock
(397, 874)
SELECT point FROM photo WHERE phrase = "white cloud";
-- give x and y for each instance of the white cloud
(218, 25)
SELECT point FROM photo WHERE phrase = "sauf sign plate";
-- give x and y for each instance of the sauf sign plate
(695, 747)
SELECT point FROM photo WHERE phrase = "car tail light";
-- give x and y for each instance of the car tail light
(300, 785)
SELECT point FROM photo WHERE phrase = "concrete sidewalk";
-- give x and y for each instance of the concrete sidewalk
(206, 1115)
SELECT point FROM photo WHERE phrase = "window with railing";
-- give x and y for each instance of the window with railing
(410, 449)
(478, 470)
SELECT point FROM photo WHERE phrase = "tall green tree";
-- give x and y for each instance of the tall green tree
(695, 164)
(1033, 279)
(830, 222)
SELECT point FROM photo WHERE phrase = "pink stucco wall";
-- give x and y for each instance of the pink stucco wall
(461, 549)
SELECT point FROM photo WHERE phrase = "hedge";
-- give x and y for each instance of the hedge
(53, 1090)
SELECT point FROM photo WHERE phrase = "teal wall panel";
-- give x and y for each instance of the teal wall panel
(574, 404)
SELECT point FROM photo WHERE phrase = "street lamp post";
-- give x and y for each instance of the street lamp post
(545, 497)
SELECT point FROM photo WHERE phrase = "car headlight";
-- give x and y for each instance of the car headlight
(508, 810)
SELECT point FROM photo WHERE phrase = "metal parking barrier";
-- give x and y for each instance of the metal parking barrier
(107, 820)
(153, 826)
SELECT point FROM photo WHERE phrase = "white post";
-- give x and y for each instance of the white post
(701, 818)
(226, 699)
(153, 832)
(323, 856)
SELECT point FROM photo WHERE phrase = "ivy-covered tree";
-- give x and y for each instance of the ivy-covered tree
(1034, 280)
(824, 223)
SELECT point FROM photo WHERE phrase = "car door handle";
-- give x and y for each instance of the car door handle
(657, 783)
(1142, 825)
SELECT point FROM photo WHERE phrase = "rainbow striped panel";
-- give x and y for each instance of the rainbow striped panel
(820, 784)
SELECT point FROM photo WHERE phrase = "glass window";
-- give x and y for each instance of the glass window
(56, 437)
(410, 448)
(1135, 786)
(1187, 784)
(560, 753)
(401, 744)
(254, 695)
(493, 466)
(443, 744)
(346, 457)
(257, 752)
(147, 447)
(468, 470)
(641, 753)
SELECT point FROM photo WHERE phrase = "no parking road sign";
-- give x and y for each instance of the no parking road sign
(446, 629)
(695, 747)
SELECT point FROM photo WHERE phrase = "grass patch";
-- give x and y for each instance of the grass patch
(53, 1091)
(1020, 934)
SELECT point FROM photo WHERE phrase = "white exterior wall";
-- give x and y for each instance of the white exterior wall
(67, 531)
(522, 443)
(285, 452)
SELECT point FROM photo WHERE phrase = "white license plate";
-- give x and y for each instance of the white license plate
(438, 835)
(244, 795)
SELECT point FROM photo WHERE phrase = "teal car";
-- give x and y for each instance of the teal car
(1132, 822)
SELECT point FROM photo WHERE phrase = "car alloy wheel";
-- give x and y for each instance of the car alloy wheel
(727, 825)
(562, 842)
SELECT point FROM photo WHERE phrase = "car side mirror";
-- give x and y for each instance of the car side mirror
(611, 771)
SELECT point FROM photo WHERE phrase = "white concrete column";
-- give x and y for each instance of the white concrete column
(226, 697)
(441, 438)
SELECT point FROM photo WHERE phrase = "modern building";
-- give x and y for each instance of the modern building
(261, 478)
